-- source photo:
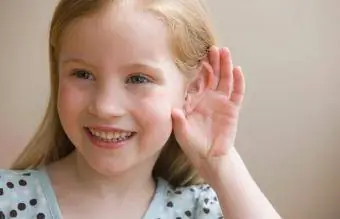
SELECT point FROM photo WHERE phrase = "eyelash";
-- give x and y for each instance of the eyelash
(83, 74)
(145, 80)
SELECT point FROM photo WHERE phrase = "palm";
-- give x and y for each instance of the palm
(209, 128)
(212, 124)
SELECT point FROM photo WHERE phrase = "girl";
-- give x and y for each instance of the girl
(142, 118)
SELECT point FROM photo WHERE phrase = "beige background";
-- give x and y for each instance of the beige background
(290, 127)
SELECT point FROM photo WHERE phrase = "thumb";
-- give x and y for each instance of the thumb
(180, 123)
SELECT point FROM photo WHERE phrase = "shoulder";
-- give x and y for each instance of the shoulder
(197, 201)
(13, 179)
(16, 173)
(21, 193)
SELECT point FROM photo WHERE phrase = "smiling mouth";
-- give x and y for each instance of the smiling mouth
(110, 136)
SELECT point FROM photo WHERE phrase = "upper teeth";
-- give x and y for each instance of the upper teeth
(110, 135)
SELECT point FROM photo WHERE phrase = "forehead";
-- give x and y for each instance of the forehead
(124, 35)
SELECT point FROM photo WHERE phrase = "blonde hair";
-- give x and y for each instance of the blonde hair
(190, 39)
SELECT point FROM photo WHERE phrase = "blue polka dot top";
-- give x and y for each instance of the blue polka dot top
(28, 194)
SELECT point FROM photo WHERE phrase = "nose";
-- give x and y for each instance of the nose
(108, 103)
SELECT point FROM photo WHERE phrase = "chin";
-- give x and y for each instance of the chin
(118, 166)
(137, 156)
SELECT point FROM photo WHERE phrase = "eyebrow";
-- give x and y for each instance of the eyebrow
(148, 66)
(77, 60)
(139, 65)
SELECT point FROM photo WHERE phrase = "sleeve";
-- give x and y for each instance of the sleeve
(19, 197)
(8, 194)
(207, 206)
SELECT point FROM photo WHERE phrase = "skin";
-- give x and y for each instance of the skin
(100, 57)
(206, 133)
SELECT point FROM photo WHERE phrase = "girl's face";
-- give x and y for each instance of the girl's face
(118, 80)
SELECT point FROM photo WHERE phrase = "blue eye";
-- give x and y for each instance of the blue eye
(83, 74)
(138, 79)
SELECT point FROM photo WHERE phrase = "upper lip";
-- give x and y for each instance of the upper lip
(108, 129)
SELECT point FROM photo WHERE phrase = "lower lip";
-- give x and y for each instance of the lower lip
(106, 145)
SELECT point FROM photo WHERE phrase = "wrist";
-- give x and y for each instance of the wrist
(230, 169)
(238, 193)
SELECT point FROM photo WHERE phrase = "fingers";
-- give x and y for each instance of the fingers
(237, 94)
(226, 72)
(214, 60)
(179, 121)
(211, 79)
(230, 80)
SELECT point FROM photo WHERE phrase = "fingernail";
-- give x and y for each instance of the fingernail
(226, 49)
(212, 48)
(223, 50)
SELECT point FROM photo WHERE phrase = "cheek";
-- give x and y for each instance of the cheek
(158, 105)
(154, 115)
(71, 102)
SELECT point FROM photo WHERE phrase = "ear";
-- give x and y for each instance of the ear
(203, 81)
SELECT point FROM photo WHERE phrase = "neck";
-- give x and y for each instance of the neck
(137, 181)
(138, 178)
